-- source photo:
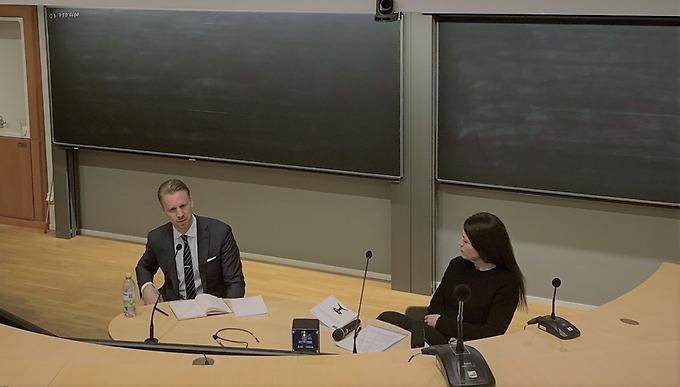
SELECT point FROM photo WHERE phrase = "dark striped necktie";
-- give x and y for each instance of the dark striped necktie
(188, 270)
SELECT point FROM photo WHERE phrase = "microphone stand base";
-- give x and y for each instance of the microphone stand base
(151, 340)
(558, 327)
(468, 368)
(203, 361)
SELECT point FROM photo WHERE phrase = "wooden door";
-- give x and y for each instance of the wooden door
(23, 172)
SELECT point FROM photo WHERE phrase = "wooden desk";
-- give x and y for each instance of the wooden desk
(607, 354)
(273, 331)
(31, 359)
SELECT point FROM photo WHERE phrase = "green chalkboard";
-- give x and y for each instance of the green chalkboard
(310, 91)
(586, 106)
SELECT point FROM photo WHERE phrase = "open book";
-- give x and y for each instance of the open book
(203, 305)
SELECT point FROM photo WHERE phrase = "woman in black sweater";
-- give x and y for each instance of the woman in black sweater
(487, 265)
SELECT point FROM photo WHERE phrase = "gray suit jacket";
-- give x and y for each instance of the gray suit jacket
(221, 277)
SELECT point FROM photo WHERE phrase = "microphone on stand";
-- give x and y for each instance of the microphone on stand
(151, 339)
(556, 283)
(556, 326)
(462, 293)
(461, 365)
(369, 254)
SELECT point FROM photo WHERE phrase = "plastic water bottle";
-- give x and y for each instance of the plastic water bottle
(129, 303)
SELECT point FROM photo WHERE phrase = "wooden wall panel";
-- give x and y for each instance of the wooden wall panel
(16, 182)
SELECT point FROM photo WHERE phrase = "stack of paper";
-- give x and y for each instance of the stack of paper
(249, 306)
(332, 313)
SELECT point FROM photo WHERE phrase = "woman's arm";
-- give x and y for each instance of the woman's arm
(501, 310)
(437, 303)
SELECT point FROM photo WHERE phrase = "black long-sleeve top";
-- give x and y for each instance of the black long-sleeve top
(488, 312)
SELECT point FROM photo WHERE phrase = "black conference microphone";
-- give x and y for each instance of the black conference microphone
(556, 283)
(461, 365)
(556, 326)
(369, 254)
(151, 339)
(342, 332)
(462, 293)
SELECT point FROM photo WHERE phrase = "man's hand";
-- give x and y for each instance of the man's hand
(431, 319)
(150, 294)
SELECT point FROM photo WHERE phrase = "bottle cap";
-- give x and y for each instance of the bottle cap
(128, 276)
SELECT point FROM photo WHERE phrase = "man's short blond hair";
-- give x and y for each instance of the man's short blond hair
(171, 186)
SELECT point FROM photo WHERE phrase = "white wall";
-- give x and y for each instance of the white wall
(599, 249)
(312, 217)
(13, 98)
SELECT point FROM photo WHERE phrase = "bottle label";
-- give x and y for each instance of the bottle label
(129, 309)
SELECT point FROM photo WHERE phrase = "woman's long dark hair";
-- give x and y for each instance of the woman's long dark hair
(488, 236)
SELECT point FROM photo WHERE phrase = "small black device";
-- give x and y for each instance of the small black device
(461, 365)
(384, 11)
(305, 334)
(556, 326)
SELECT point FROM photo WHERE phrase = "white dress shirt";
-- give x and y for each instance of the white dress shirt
(179, 258)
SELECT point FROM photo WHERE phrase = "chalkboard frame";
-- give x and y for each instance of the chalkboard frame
(673, 21)
(394, 174)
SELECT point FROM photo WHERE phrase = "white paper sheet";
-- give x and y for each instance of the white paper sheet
(371, 339)
(249, 306)
(333, 313)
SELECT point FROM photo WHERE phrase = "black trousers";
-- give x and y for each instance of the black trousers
(413, 321)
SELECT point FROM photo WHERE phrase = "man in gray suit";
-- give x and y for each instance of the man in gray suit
(196, 254)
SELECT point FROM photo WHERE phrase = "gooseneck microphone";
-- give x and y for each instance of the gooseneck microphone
(462, 293)
(556, 326)
(152, 339)
(461, 365)
(369, 254)
(556, 283)
(342, 332)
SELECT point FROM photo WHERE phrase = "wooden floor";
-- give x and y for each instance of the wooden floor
(72, 287)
